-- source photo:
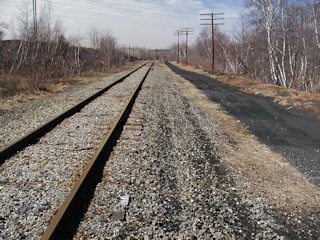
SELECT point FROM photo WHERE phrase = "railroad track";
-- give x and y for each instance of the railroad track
(65, 209)
(33, 136)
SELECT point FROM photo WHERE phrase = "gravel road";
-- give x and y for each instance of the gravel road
(183, 168)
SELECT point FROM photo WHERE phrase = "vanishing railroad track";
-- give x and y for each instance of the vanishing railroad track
(36, 199)
(32, 137)
(173, 172)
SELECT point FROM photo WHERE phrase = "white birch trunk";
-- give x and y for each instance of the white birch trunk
(17, 55)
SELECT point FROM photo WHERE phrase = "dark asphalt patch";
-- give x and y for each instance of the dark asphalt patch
(291, 132)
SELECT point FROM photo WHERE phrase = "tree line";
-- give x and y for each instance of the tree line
(277, 41)
(39, 54)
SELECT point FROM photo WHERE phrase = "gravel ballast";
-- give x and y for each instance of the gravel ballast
(36, 181)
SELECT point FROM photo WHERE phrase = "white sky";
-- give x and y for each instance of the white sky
(142, 23)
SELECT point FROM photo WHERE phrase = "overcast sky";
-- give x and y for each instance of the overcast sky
(143, 23)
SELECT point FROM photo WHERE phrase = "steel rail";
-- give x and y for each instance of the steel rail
(63, 224)
(34, 135)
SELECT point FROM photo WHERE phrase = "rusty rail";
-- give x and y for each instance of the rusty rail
(64, 223)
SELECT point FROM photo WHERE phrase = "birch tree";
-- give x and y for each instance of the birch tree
(265, 13)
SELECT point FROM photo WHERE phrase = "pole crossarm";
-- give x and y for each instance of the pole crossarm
(209, 24)
(186, 31)
(209, 14)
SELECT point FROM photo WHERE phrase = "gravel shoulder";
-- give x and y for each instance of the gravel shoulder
(255, 166)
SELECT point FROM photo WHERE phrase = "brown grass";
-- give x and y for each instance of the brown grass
(24, 87)
(284, 96)
(12, 84)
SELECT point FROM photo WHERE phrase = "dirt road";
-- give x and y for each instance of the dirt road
(292, 133)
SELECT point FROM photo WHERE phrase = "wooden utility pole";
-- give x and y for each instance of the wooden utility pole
(35, 21)
(177, 33)
(186, 31)
(212, 24)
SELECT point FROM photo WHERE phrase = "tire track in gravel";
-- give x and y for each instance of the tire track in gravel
(229, 210)
(168, 179)
(241, 217)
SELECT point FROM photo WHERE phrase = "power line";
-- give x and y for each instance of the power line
(212, 24)
(132, 6)
(95, 13)
(118, 8)
(142, 8)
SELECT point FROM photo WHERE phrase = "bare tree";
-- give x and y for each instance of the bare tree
(76, 42)
(277, 41)
(223, 46)
(24, 29)
(242, 48)
(204, 42)
(94, 37)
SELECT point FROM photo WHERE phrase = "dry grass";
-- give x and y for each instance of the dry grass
(38, 78)
(12, 84)
(22, 88)
(284, 96)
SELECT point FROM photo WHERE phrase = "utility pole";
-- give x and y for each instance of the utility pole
(129, 54)
(212, 24)
(35, 24)
(177, 33)
(186, 31)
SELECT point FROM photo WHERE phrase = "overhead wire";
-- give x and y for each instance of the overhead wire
(134, 8)
(95, 13)
(97, 10)
(117, 12)
(139, 6)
